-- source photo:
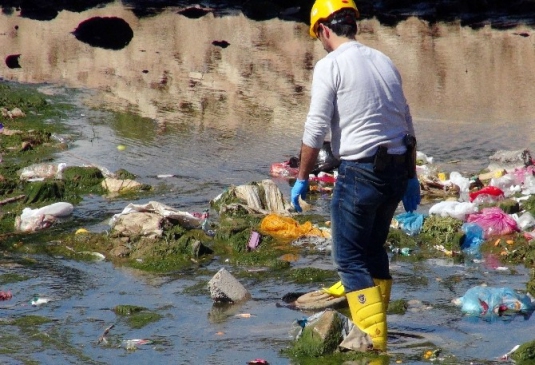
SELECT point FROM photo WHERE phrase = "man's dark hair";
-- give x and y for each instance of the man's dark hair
(343, 23)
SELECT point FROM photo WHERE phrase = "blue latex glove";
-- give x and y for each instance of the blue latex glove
(412, 197)
(300, 188)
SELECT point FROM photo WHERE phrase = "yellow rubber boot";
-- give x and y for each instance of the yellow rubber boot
(336, 290)
(368, 312)
(386, 287)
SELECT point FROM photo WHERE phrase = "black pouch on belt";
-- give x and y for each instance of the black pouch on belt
(381, 159)
(410, 143)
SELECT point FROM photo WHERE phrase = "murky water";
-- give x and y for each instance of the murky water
(212, 117)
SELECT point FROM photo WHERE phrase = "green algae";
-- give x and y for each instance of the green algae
(529, 205)
(12, 278)
(30, 321)
(525, 354)
(136, 316)
(198, 289)
(398, 238)
(311, 344)
(443, 231)
(126, 309)
(308, 275)
(141, 319)
(44, 191)
(40, 333)
(397, 307)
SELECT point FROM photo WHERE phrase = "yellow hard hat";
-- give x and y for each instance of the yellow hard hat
(322, 9)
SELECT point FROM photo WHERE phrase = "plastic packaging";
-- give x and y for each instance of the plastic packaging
(529, 185)
(462, 182)
(491, 191)
(36, 219)
(488, 301)
(494, 221)
(525, 221)
(506, 183)
(288, 228)
(326, 161)
(283, 169)
(42, 171)
(410, 222)
(423, 157)
(453, 209)
(474, 237)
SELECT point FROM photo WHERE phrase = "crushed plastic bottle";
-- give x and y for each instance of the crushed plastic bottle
(132, 344)
(37, 301)
(404, 251)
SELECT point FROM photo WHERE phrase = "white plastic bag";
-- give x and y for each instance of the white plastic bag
(525, 221)
(462, 182)
(37, 219)
(453, 209)
(42, 171)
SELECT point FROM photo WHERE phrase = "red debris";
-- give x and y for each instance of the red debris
(5, 295)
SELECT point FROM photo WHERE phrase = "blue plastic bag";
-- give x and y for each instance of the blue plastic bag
(486, 301)
(474, 237)
(410, 222)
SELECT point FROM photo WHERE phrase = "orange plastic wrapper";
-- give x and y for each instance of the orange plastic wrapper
(287, 228)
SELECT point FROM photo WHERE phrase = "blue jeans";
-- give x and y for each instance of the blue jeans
(362, 208)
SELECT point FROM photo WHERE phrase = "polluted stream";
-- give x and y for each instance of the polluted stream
(193, 117)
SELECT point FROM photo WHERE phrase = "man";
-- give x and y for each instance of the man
(357, 95)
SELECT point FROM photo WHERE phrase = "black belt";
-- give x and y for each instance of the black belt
(392, 159)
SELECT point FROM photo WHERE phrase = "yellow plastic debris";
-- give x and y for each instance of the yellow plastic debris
(81, 230)
(287, 228)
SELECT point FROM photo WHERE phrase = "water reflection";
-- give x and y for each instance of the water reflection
(249, 82)
(106, 32)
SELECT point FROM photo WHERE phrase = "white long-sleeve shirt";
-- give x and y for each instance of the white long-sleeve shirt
(357, 94)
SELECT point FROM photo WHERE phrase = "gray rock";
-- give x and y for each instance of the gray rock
(225, 288)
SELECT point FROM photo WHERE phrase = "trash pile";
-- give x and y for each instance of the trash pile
(497, 203)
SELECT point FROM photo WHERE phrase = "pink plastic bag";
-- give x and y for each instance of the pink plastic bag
(494, 221)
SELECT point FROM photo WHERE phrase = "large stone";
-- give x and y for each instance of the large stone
(226, 288)
(322, 334)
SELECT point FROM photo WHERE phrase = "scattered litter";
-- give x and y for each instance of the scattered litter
(37, 219)
(507, 356)
(36, 301)
(132, 344)
(289, 229)
(254, 241)
(244, 315)
(404, 251)
(410, 222)
(102, 339)
(258, 362)
(494, 221)
(42, 171)
(473, 238)
(453, 209)
(5, 295)
(488, 301)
